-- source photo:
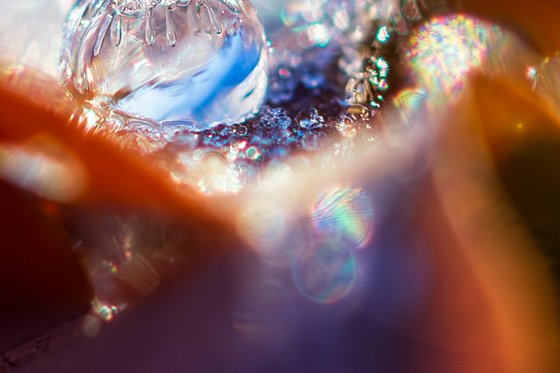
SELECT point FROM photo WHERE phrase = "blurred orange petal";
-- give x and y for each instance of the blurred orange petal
(484, 133)
(536, 20)
(37, 117)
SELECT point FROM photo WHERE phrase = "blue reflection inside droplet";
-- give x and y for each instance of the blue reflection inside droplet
(215, 89)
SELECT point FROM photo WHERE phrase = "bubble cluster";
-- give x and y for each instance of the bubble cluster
(369, 65)
(248, 149)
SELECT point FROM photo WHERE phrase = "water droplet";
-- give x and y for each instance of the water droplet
(276, 117)
(310, 119)
(202, 61)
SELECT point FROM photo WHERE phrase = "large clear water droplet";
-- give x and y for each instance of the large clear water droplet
(191, 61)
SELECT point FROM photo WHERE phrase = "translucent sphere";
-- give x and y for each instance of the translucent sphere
(200, 62)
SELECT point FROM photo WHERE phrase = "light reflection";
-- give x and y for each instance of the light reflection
(30, 33)
(341, 222)
(446, 49)
(408, 103)
(263, 225)
(139, 274)
(546, 79)
(104, 311)
(319, 34)
(208, 171)
(325, 273)
(383, 34)
(55, 174)
(319, 246)
(344, 215)
(303, 12)
(312, 23)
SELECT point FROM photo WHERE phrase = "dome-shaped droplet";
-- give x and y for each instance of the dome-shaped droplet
(197, 61)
